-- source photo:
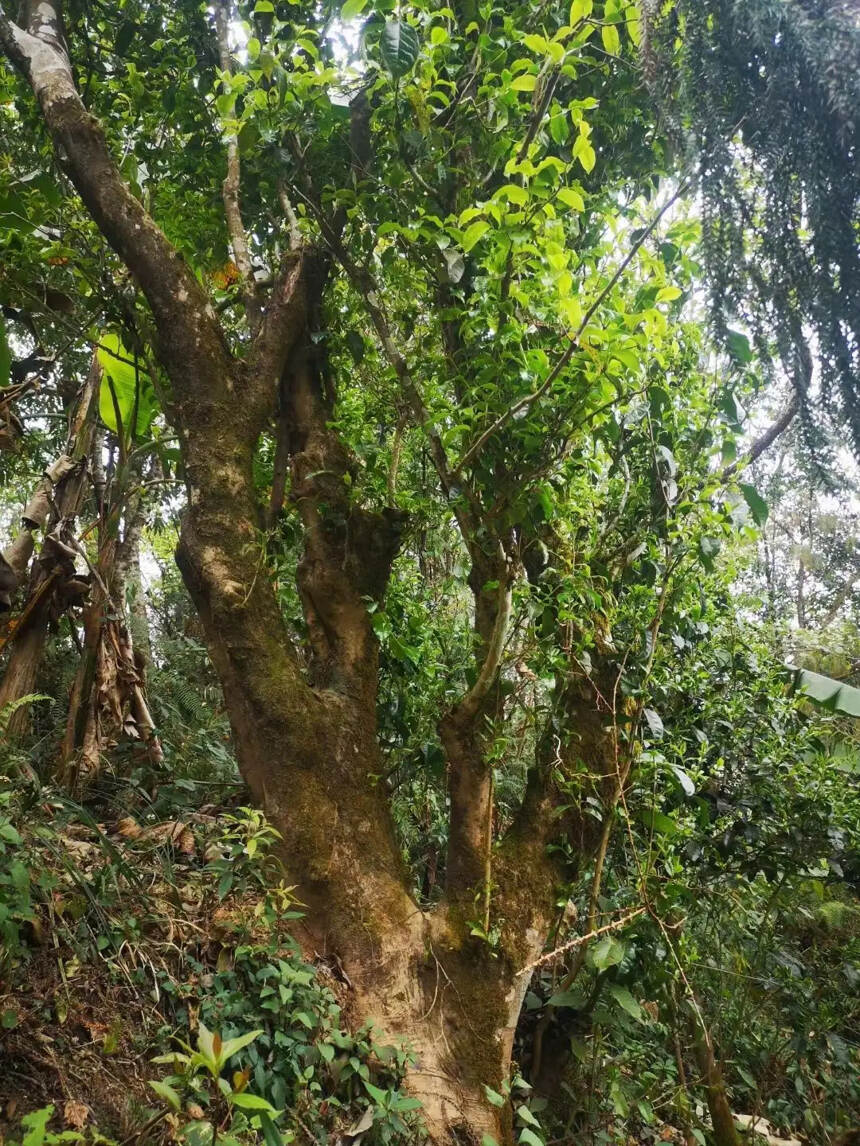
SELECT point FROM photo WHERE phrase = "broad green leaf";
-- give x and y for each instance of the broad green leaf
(246, 1101)
(565, 999)
(611, 39)
(607, 953)
(579, 10)
(165, 1090)
(206, 1043)
(473, 233)
(526, 82)
(758, 506)
(571, 198)
(739, 347)
(352, 8)
(513, 193)
(378, 1095)
(530, 1138)
(709, 547)
(400, 47)
(36, 1124)
(271, 1134)
(230, 1046)
(626, 1001)
(130, 388)
(668, 293)
(829, 693)
(584, 152)
(657, 821)
(493, 1096)
(488, 1140)
(684, 780)
(525, 1115)
(654, 722)
(124, 37)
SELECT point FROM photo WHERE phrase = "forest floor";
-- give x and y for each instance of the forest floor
(128, 923)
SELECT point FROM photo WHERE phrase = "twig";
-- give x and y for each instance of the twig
(550, 955)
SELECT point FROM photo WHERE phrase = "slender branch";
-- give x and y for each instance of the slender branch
(231, 185)
(470, 705)
(615, 925)
(529, 399)
(766, 439)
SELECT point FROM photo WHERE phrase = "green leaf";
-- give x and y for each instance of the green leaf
(758, 506)
(271, 1134)
(488, 1140)
(379, 1096)
(493, 1096)
(579, 10)
(246, 1101)
(525, 1115)
(473, 233)
(584, 152)
(400, 46)
(124, 387)
(526, 82)
(124, 37)
(709, 547)
(654, 722)
(657, 821)
(206, 1044)
(831, 694)
(611, 39)
(565, 999)
(626, 1001)
(36, 1125)
(747, 1077)
(5, 355)
(230, 1046)
(352, 8)
(530, 1138)
(607, 953)
(571, 198)
(165, 1090)
(738, 346)
(684, 780)
(513, 193)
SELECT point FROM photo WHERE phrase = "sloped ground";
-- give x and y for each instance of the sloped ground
(121, 935)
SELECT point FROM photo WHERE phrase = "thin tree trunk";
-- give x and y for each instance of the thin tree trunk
(53, 508)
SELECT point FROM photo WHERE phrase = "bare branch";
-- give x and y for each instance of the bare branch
(766, 439)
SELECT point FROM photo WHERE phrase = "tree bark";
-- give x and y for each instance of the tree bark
(53, 508)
